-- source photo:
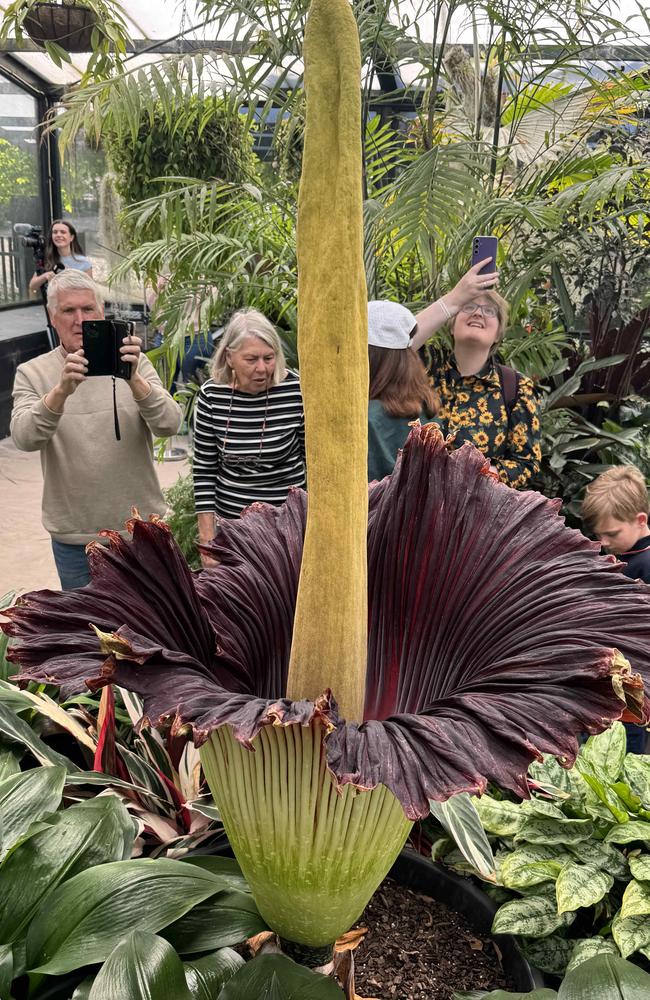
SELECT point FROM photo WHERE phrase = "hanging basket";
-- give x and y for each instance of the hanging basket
(69, 25)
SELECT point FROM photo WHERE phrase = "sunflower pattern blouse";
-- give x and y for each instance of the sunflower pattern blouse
(473, 409)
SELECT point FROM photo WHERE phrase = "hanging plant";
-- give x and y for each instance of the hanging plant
(95, 26)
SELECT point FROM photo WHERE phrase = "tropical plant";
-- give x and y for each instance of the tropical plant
(159, 780)
(601, 976)
(573, 856)
(453, 661)
(110, 34)
(181, 519)
(92, 914)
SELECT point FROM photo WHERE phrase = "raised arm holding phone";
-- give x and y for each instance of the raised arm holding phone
(483, 402)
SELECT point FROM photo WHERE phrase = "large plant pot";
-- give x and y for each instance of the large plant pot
(70, 25)
(465, 897)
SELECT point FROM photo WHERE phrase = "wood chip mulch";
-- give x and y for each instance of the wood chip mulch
(417, 949)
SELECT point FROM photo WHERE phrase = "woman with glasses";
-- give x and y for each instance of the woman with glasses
(473, 393)
(249, 442)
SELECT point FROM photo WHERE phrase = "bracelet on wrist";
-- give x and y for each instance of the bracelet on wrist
(445, 308)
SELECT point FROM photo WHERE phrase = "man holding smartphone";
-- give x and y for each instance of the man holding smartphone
(91, 479)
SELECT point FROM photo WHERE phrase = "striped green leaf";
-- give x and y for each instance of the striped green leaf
(532, 916)
(586, 948)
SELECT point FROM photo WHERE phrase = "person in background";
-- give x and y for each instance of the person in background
(61, 250)
(91, 480)
(249, 426)
(615, 506)
(491, 406)
(400, 391)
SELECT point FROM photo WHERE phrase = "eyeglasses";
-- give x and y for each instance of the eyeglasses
(488, 311)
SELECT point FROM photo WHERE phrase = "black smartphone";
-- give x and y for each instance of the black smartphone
(102, 339)
(482, 248)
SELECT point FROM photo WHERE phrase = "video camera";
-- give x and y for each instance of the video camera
(32, 237)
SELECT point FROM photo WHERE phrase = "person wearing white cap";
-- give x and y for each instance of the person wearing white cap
(399, 387)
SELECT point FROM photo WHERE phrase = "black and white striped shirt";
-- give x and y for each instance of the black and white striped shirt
(224, 481)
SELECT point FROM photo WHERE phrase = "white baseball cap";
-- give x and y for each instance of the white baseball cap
(390, 325)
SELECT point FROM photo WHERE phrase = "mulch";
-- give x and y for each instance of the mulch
(417, 949)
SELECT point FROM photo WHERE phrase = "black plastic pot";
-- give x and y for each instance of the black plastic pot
(465, 897)
(69, 25)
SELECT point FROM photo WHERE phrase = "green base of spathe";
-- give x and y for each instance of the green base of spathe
(313, 855)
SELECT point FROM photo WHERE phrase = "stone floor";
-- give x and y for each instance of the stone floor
(26, 561)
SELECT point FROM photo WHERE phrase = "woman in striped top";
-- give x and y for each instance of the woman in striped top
(249, 442)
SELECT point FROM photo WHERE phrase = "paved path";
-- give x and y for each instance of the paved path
(26, 561)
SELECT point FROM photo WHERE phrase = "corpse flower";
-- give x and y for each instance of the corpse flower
(493, 632)
(463, 629)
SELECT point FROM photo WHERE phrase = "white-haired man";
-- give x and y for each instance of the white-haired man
(91, 480)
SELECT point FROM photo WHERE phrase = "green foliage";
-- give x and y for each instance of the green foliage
(181, 518)
(109, 39)
(18, 173)
(203, 138)
(575, 858)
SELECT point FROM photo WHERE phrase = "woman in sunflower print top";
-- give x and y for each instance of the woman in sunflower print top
(472, 403)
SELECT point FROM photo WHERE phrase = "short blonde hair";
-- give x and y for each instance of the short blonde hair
(620, 492)
(71, 280)
(243, 324)
(502, 309)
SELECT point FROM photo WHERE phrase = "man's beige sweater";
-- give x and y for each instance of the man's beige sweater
(92, 480)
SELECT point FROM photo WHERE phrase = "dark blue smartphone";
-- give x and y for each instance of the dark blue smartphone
(482, 248)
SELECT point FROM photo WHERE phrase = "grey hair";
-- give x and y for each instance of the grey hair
(243, 324)
(71, 280)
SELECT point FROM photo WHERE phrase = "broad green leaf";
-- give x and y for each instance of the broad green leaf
(537, 830)
(82, 991)
(276, 977)
(606, 856)
(500, 817)
(586, 948)
(460, 818)
(207, 975)
(551, 773)
(632, 801)
(141, 967)
(640, 866)
(637, 772)
(26, 798)
(636, 899)
(543, 808)
(227, 868)
(605, 977)
(630, 933)
(626, 833)
(88, 834)
(532, 864)
(550, 954)
(581, 885)
(86, 915)
(9, 762)
(16, 730)
(606, 752)
(600, 785)
(222, 921)
(6, 969)
(532, 916)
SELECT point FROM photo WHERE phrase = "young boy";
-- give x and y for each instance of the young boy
(616, 507)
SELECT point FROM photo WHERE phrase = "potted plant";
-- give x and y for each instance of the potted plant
(95, 26)
(464, 629)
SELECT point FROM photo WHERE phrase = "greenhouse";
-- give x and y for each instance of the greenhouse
(324, 463)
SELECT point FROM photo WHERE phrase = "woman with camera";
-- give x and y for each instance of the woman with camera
(61, 250)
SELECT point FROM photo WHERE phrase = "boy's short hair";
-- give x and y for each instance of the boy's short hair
(620, 492)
